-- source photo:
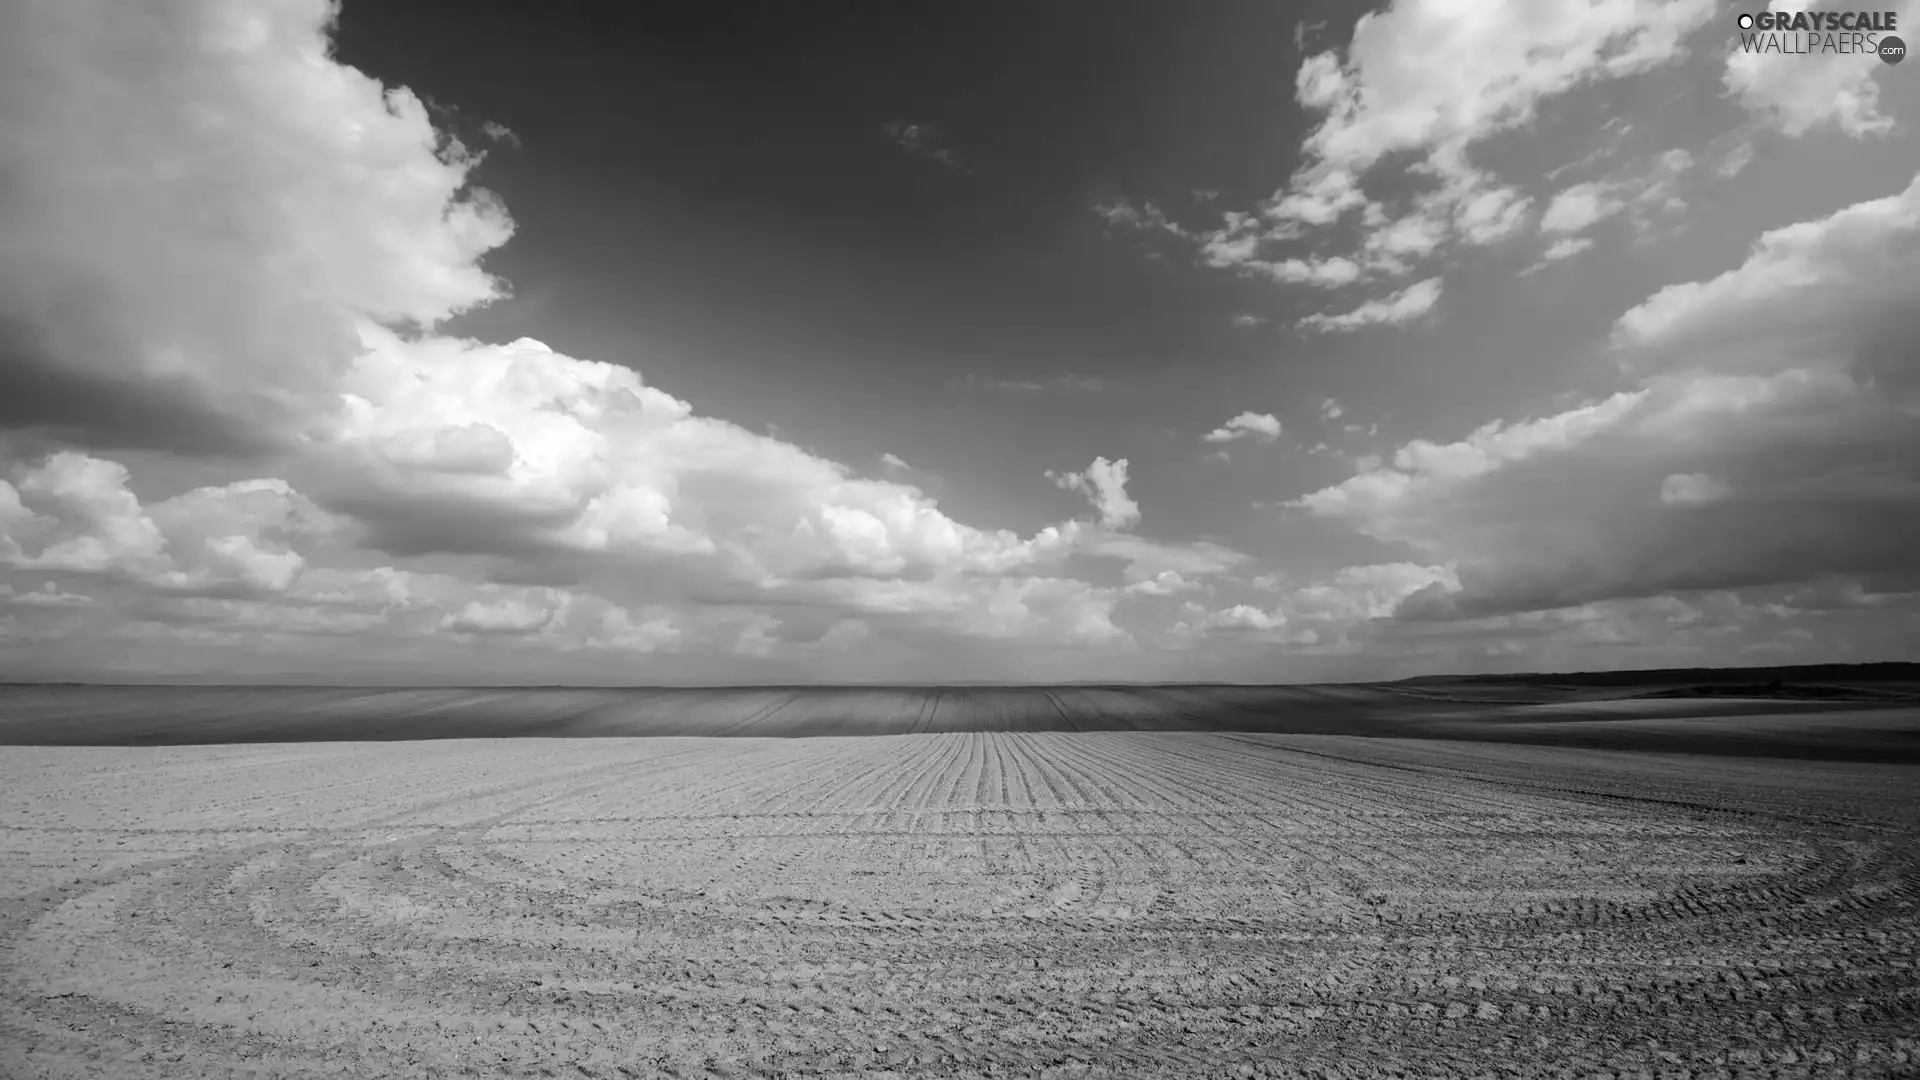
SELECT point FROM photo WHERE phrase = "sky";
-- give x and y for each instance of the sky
(862, 342)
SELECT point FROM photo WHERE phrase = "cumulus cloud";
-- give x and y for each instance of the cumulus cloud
(1824, 291)
(1260, 426)
(1104, 483)
(250, 245)
(1385, 95)
(1769, 441)
(1330, 615)
(1164, 583)
(205, 226)
(73, 514)
(1392, 119)
(1404, 306)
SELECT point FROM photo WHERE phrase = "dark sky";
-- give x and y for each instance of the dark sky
(709, 191)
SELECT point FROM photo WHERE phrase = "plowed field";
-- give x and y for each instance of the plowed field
(1116, 904)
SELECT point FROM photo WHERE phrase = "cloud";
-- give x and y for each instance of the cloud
(1822, 291)
(1260, 426)
(1391, 118)
(1071, 385)
(1387, 95)
(1648, 193)
(1563, 248)
(1327, 273)
(250, 247)
(892, 461)
(1796, 93)
(1579, 207)
(500, 133)
(1404, 306)
(1164, 583)
(1236, 617)
(193, 226)
(1692, 489)
(1769, 441)
(1331, 410)
(1119, 213)
(1326, 616)
(1104, 483)
(923, 141)
(48, 595)
(1249, 320)
(73, 514)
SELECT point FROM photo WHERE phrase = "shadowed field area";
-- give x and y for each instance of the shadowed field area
(1864, 713)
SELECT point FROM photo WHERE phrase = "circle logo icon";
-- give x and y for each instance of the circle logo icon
(1892, 49)
(1746, 22)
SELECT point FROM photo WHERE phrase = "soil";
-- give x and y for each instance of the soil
(958, 904)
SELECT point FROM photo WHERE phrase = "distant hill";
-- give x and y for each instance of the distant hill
(1761, 677)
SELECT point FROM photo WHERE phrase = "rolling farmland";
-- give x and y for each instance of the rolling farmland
(1031, 897)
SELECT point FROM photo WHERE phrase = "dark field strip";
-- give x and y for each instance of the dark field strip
(74, 715)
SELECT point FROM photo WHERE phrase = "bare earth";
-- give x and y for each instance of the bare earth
(1060, 904)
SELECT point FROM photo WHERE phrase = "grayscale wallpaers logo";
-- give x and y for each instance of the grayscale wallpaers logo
(1822, 32)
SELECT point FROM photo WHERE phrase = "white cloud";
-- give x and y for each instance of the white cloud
(1404, 306)
(1331, 410)
(1384, 97)
(1797, 92)
(1261, 426)
(1147, 217)
(1164, 583)
(1577, 208)
(1324, 617)
(1388, 94)
(1331, 272)
(72, 513)
(1235, 618)
(244, 220)
(513, 616)
(1566, 248)
(1816, 291)
(1104, 483)
(1492, 214)
(1649, 192)
(202, 229)
(48, 595)
(1692, 489)
(1776, 420)
(1423, 472)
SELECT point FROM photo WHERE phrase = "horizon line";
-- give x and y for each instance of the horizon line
(1621, 673)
